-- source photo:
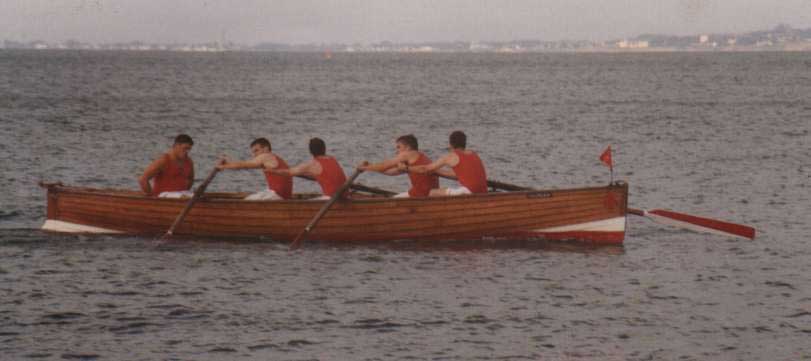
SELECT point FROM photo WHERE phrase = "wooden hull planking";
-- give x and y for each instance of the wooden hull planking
(595, 215)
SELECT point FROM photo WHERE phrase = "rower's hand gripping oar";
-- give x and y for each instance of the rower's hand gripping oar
(197, 194)
(687, 221)
(297, 242)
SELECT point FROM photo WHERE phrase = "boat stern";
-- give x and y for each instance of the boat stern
(606, 231)
(53, 223)
(606, 221)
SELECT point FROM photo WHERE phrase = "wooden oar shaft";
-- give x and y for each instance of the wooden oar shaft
(496, 184)
(358, 187)
(636, 212)
(373, 190)
(297, 242)
(197, 193)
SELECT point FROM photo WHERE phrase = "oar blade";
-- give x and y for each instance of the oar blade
(701, 224)
(296, 244)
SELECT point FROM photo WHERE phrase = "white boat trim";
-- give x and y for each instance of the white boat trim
(616, 224)
(67, 227)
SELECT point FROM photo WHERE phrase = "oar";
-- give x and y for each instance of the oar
(691, 222)
(358, 187)
(696, 223)
(373, 190)
(197, 193)
(297, 242)
(494, 184)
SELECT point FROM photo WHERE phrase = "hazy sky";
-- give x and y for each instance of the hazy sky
(364, 21)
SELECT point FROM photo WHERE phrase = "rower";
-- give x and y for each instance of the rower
(279, 186)
(324, 168)
(466, 165)
(172, 174)
(408, 153)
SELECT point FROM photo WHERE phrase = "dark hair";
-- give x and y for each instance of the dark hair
(409, 140)
(458, 139)
(183, 139)
(263, 142)
(317, 147)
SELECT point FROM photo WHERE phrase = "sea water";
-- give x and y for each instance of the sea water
(723, 135)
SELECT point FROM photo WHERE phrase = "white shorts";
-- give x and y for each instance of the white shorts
(402, 195)
(265, 195)
(458, 191)
(177, 194)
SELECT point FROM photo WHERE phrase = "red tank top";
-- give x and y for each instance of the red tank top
(332, 176)
(421, 184)
(282, 185)
(470, 172)
(173, 177)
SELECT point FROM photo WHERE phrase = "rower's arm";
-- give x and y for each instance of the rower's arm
(446, 160)
(386, 165)
(151, 171)
(245, 164)
(392, 171)
(303, 169)
(191, 174)
(445, 172)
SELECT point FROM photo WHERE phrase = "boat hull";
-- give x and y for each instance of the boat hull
(595, 215)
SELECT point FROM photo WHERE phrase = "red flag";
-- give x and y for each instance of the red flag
(606, 158)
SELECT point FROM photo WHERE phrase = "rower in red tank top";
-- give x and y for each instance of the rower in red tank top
(325, 169)
(279, 186)
(466, 164)
(470, 171)
(172, 171)
(175, 176)
(407, 153)
(331, 176)
(283, 186)
(422, 184)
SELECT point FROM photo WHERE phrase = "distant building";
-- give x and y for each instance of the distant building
(476, 46)
(640, 44)
(420, 49)
(703, 39)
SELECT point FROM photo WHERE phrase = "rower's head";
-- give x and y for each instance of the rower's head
(182, 146)
(458, 140)
(317, 147)
(406, 143)
(259, 146)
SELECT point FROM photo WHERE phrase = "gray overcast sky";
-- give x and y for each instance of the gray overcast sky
(314, 21)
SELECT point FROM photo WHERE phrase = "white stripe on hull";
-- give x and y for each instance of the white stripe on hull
(606, 225)
(67, 227)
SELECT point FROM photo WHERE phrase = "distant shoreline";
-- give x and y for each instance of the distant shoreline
(562, 51)
(782, 38)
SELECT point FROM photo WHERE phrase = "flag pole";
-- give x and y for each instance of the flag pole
(611, 172)
(606, 159)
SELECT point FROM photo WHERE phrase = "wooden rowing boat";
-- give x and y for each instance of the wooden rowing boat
(594, 215)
